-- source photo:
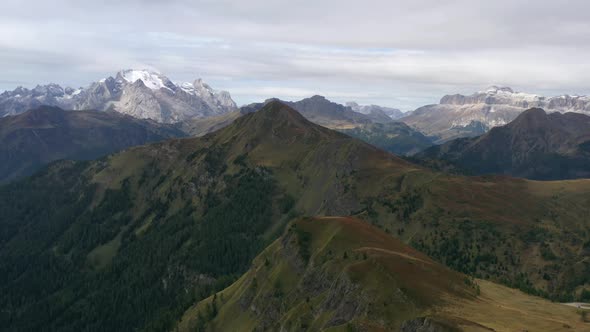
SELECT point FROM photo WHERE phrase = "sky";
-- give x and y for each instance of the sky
(401, 54)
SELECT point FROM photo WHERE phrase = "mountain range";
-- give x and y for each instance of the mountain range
(136, 240)
(45, 134)
(535, 145)
(374, 127)
(144, 94)
(466, 116)
(395, 137)
(393, 113)
(37, 137)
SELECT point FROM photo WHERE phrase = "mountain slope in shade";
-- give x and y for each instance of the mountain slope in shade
(395, 137)
(37, 137)
(144, 94)
(535, 145)
(337, 273)
(467, 116)
(163, 226)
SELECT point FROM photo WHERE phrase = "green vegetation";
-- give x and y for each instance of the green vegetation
(330, 292)
(130, 241)
(89, 268)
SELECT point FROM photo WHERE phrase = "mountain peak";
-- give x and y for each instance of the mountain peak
(150, 78)
(531, 118)
(279, 110)
(496, 89)
(279, 122)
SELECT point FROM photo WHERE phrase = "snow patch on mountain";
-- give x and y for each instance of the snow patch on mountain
(139, 93)
(151, 79)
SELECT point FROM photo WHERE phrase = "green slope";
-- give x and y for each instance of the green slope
(342, 274)
(132, 240)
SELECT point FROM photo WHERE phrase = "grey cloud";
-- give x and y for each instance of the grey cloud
(400, 53)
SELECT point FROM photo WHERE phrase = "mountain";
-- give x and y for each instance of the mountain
(535, 145)
(320, 110)
(467, 116)
(336, 273)
(395, 137)
(375, 128)
(37, 137)
(133, 240)
(324, 112)
(143, 94)
(393, 113)
(203, 126)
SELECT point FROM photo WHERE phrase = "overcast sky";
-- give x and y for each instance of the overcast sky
(395, 53)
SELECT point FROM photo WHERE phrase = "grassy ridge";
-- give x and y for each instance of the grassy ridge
(341, 274)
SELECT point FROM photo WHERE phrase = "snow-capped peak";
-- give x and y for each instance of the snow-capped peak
(497, 89)
(150, 78)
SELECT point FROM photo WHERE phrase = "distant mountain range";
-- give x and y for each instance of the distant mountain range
(535, 145)
(37, 137)
(143, 94)
(466, 116)
(393, 113)
(374, 126)
(395, 137)
(32, 139)
(324, 112)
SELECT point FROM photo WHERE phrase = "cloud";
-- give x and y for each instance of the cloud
(399, 53)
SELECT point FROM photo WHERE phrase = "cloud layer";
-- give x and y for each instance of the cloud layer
(397, 53)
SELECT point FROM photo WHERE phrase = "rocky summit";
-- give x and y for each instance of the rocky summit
(467, 116)
(144, 94)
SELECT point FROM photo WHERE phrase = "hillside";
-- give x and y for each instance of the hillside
(40, 136)
(131, 241)
(535, 145)
(342, 274)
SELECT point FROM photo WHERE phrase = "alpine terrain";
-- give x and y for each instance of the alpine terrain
(37, 137)
(466, 116)
(144, 94)
(535, 145)
(149, 238)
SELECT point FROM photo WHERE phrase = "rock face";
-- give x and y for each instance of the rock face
(535, 145)
(393, 113)
(467, 116)
(142, 94)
